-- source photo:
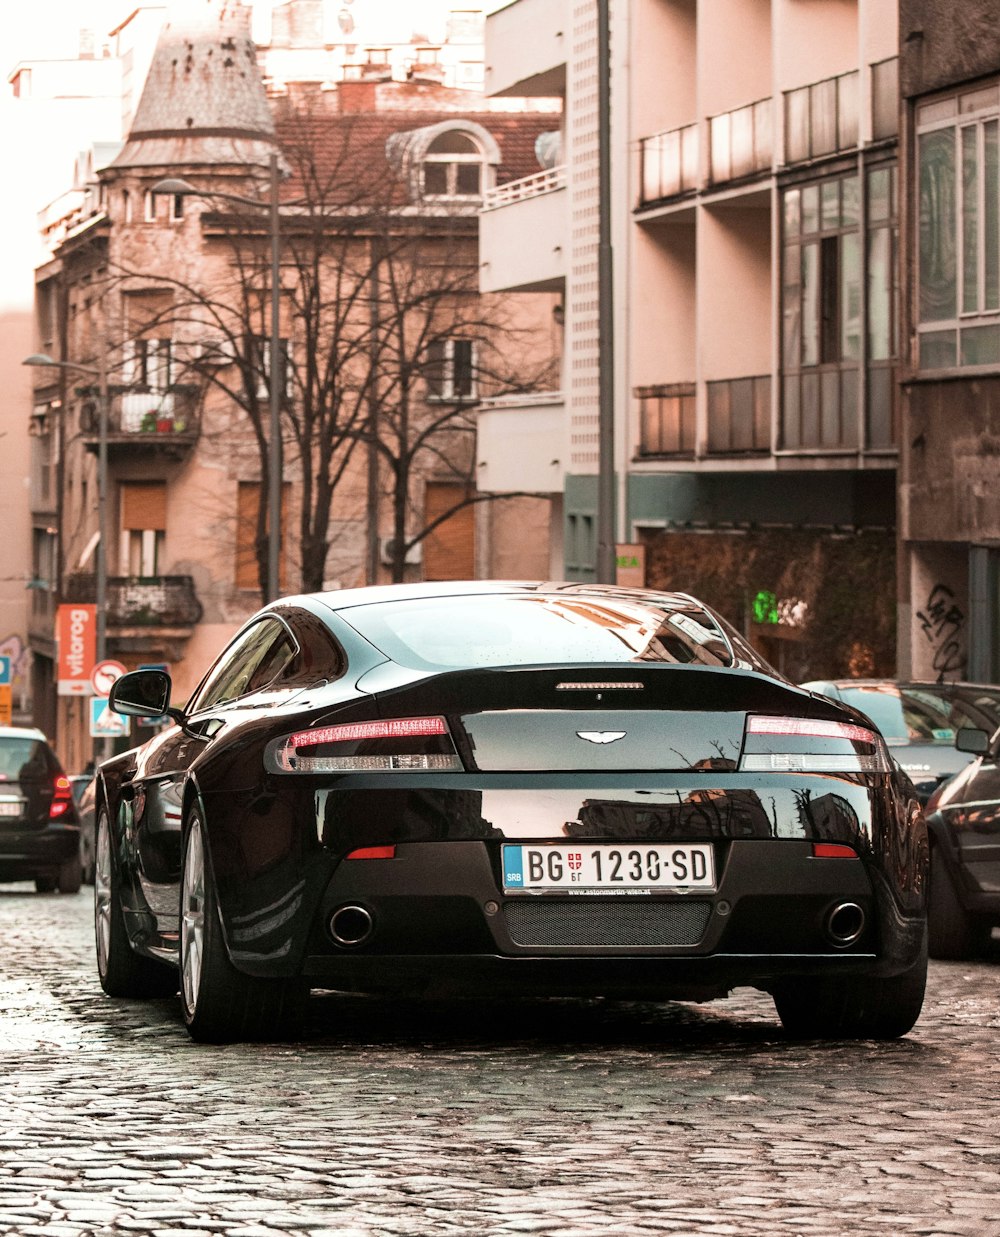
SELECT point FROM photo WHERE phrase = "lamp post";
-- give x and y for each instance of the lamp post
(178, 187)
(606, 551)
(100, 371)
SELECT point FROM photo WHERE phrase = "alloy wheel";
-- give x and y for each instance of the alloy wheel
(102, 893)
(193, 916)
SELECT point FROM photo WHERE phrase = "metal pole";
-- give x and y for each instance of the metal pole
(274, 392)
(101, 593)
(104, 751)
(606, 556)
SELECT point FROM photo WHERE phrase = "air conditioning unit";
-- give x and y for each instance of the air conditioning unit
(413, 555)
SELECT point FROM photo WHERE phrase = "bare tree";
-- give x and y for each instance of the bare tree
(386, 341)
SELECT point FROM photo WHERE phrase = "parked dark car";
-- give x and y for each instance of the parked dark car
(963, 821)
(490, 788)
(39, 835)
(919, 721)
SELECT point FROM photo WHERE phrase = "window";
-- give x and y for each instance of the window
(143, 528)
(254, 659)
(958, 243)
(176, 207)
(453, 167)
(126, 206)
(824, 313)
(258, 352)
(451, 370)
(148, 363)
(149, 206)
(247, 506)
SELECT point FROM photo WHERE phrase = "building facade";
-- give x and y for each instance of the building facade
(950, 442)
(754, 225)
(158, 299)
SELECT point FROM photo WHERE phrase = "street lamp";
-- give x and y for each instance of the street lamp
(177, 187)
(100, 371)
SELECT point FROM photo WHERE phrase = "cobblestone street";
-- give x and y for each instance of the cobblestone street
(567, 1119)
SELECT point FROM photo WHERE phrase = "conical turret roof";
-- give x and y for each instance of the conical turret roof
(204, 101)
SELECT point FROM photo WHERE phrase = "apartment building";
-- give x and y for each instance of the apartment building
(950, 440)
(159, 302)
(754, 228)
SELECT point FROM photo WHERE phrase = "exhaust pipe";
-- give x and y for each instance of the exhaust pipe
(351, 925)
(844, 924)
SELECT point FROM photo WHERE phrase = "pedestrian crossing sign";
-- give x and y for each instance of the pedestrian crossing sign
(103, 723)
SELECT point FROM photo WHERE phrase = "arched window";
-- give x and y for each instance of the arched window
(453, 167)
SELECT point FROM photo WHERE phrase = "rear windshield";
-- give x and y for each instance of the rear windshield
(22, 758)
(466, 632)
(912, 715)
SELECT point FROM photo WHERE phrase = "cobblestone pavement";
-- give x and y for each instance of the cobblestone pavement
(566, 1119)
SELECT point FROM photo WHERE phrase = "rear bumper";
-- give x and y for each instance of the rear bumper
(440, 922)
(26, 854)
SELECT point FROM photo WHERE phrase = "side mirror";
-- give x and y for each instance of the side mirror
(971, 739)
(142, 693)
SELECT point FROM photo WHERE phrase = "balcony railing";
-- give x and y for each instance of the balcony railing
(741, 142)
(666, 419)
(739, 415)
(532, 186)
(669, 164)
(885, 98)
(145, 417)
(821, 119)
(145, 601)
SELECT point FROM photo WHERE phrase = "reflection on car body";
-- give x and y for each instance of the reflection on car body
(393, 789)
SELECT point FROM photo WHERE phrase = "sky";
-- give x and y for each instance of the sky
(50, 27)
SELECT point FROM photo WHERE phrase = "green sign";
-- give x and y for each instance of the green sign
(765, 607)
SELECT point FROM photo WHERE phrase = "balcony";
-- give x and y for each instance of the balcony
(527, 49)
(741, 142)
(146, 603)
(166, 422)
(822, 119)
(668, 164)
(521, 443)
(739, 416)
(666, 420)
(524, 233)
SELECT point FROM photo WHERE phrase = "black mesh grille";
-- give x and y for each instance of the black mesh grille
(615, 922)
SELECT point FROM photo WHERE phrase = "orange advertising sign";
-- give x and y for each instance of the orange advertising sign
(76, 635)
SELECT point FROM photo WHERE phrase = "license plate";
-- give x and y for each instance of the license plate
(604, 866)
(10, 807)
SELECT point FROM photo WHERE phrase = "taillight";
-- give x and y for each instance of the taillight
(62, 797)
(399, 745)
(809, 745)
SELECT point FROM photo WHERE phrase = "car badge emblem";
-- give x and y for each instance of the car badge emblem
(601, 736)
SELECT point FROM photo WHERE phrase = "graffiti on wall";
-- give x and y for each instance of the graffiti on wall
(15, 648)
(942, 621)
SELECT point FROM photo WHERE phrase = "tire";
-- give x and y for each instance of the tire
(122, 972)
(220, 1004)
(70, 876)
(45, 884)
(853, 1007)
(953, 932)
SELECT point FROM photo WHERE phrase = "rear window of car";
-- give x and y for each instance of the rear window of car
(462, 633)
(911, 715)
(22, 758)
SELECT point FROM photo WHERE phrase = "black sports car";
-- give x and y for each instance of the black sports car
(480, 788)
